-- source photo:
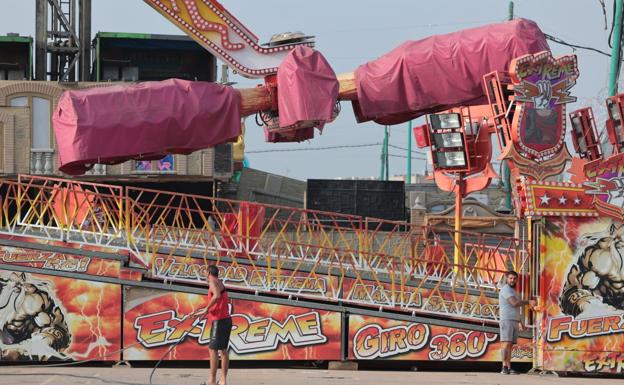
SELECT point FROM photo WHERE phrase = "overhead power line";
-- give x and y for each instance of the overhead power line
(315, 148)
(604, 13)
(612, 23)
(337, 148)
(574, 46)
(405, 157)
(407, 27)
(405, 149)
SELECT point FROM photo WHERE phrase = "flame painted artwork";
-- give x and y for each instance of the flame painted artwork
(582, 289)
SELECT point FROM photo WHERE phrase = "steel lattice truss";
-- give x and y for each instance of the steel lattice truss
(272, 249)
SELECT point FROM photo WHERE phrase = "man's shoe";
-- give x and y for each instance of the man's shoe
(511, 371)
(505, 370)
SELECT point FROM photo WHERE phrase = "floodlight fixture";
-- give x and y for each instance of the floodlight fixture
(445, 121)
(451, 159)
(615, 126)
(448, 142)
(448, 139)
(584, 134)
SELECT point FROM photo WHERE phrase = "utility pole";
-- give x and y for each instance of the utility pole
(382, 158)
(384, 171)
(510, 13)
(386, 152)
(615, 50)
(408, 177)
(84, 35)
(41, 40)
(506, 171)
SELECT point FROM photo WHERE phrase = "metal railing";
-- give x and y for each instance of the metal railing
(274, 249)
(61, 209)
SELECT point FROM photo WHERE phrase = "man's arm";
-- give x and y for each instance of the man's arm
(515, 302)
(521, 326)
(216, 294)
(511, 298)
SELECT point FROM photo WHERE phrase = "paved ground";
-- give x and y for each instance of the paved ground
(167, 376)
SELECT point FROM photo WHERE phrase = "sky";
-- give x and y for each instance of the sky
(350, 33)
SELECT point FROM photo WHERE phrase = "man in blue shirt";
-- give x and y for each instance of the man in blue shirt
(510, 307)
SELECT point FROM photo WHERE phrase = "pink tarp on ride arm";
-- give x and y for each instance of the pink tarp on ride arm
(143, 121)
(307, 88)
(307, 94)
(440, 72)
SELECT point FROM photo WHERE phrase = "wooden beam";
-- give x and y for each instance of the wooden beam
(254, 100)
(258, 98)
(348, 88)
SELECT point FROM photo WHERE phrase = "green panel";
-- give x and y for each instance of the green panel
(16, 39)
(124, 35)
(97, 59)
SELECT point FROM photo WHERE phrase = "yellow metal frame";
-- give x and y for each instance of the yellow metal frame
(391, 263)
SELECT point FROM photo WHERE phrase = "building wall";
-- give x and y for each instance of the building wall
(260, 186)
(17, 156)
(2, 131)
(436, 200)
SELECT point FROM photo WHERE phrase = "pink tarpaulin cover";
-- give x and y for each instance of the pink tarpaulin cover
(307, 94)
(308, 88)
(440, 72)
(298, 135)
(143, 121)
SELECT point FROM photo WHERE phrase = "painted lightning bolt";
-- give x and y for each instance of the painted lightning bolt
(561, 91)
(597, 187)
(174, 352)
(99, 341)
